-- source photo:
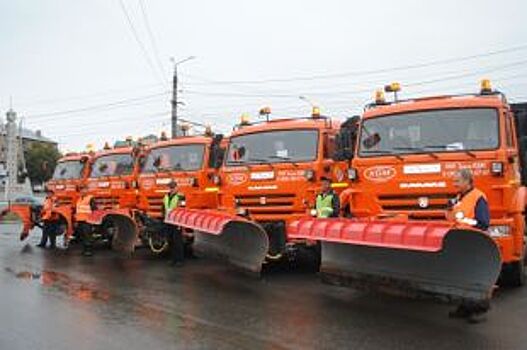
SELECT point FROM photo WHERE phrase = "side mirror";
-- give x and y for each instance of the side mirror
(346, 139)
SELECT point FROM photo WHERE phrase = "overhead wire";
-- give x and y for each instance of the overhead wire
(140, 43)
(378, 71)
(119, 103)
(153, 42)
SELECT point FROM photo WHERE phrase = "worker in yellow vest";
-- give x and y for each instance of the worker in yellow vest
(470, 206)
(327, 203)
(175, 237)
(84, 208)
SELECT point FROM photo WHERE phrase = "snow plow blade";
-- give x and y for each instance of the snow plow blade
(221, 235)
(23, 212)
(416, 259)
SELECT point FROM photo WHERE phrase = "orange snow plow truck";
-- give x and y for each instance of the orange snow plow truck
(404, 234)
(270, 175)
(68, 179)
(108, 201)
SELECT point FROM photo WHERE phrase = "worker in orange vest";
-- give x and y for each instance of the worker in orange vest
(470, 206)
(48, 223)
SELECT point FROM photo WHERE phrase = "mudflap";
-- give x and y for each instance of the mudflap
(218, 234)
(466, 268)
(242, 244)
(125, 235)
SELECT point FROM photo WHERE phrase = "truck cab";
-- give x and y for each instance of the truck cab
(191, 162)
(68, 179)
(272, 169)
(112, 179)
(408, 151)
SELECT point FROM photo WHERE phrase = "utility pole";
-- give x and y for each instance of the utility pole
(175, 101)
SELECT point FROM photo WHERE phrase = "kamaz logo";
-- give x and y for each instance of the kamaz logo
(422, 202)
(263, 200)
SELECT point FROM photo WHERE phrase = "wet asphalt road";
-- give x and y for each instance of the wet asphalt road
(60, 300)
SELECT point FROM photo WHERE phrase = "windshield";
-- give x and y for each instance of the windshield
(273, 147)
(173, 158)
(451, 130)
(112, 165)
(70, 169)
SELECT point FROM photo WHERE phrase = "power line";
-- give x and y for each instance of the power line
(90, 95)
(139, 42)
(377, 71)
(93, 130)
(152, 39)
(119, 119)
(364, 90)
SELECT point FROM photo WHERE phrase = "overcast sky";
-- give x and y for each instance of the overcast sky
(75, 70)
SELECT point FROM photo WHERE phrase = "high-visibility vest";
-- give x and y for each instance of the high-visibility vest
(324, 205)
(467, 204)
(170, 203)
(83, 208)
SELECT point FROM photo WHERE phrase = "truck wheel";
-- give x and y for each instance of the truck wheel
(157, 243)
(513, 274)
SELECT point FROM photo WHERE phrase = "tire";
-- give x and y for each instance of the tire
(513, 274)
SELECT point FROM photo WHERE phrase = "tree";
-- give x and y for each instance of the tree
(41, 159)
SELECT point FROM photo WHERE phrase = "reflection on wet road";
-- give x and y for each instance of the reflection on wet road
(60, 300)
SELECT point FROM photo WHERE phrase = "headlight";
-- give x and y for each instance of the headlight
(309, 175)
(313, 212)
(352, 174)
(182, 203)
(241, 211)
(499, 231)
(216, 179)
(459, 215)
(496, 168)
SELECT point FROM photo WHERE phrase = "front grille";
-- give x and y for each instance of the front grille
(63, 201)
(419, 205)
(106, 202)
(267, 203)
(155, 206)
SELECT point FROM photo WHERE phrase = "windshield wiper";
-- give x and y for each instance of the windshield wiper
(444, 147)
(261, 161)
(419, 149)
(385, 152)
(288, 159)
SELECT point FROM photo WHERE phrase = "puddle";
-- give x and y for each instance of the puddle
(78, 290)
